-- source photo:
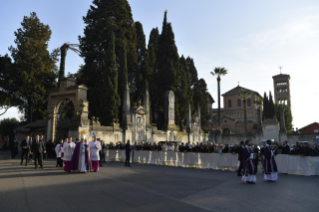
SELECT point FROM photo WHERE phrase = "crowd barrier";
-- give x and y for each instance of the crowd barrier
(288, 164)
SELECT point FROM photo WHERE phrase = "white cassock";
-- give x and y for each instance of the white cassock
(95, 156)
(58, 151)
(68, 149)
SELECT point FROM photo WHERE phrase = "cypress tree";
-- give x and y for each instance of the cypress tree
(184, 91)
(271, 107)
(110, 99)
(168, 63)
(122, 75)
(143, 77)
(103, 18)
(192, 71)
(266, 107)
(288, 116)
(152, 51)
(141, 43)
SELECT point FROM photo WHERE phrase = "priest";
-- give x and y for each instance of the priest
(270, 173)
(249, 164)
(68, 149)
(81, 157)
(95, 147)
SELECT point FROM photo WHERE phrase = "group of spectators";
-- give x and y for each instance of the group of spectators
(303, 149)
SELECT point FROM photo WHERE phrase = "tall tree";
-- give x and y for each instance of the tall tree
(143, 78)
(244, 94)
(200, 99)
(266, 107)
(271, 107)
(192, 71)
(152, 51)
(64, 49)
(168, 64)
(141, 43)
(35, 67)
(184, 91)
(103, 18)
(219, 72)
(108, 93)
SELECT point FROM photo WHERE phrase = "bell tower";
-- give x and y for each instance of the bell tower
(282, 89)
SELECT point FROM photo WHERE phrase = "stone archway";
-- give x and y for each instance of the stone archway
(75, 93)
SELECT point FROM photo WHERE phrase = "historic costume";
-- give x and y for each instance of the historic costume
(270, 165)
(81, 161)
(68, 149)
(59, 152)
(249, 165)
(95, 147)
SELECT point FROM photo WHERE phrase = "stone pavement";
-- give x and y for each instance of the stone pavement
(148, 188)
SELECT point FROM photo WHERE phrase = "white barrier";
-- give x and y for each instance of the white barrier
(288, 164)
(195, 160)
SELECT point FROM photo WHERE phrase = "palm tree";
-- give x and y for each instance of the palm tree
(64, 48)
(244, 94)
(219, 72)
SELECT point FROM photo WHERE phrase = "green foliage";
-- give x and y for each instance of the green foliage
(66, 109)
(7, 126)
(34, 67)
(266, 107)
(192, 71)
(287, 114)
(102, 19)
(141, 43)
(244, 94)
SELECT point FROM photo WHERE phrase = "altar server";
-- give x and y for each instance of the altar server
(249, 164)
(68, 149)
(271, 173)
(95, 147)
(58, 151)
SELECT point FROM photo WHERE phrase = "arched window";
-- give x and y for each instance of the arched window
(229, 103)
(239, 103)
(249, 102)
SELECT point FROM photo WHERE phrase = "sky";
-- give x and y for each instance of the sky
(249, 38)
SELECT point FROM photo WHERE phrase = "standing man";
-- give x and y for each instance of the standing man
(37, 150)
(59, 150)
(95, 147)
(285, 149)
(68, 149)
(127, 153)
(25, 145)
(102, 153)
(45, 155)
(240, 158)
(249, 164)
(270, 164)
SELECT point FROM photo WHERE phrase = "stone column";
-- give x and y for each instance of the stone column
(147, 107)
(169, 111)
(126, 119)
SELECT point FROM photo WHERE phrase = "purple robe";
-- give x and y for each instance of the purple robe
(249, 164)
(76, 157)
(270, 163)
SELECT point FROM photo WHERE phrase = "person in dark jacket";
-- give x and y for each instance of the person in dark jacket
(26, 146)
(285, 149)
(37, 149)
(256, 151)
(127, 153)
(305, 151)
(240, 158)
(316, 150)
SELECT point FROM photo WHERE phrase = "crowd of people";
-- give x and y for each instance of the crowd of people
(80, 156)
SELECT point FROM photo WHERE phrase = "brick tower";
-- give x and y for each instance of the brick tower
(282, 89)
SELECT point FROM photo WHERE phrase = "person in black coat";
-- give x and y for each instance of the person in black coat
(305, 150)
(26, 146)
(240, 158)
(285, 149)
(127, 153)
(37, 149)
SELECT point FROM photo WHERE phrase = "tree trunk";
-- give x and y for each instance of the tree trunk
(245, 115)
(218, 84)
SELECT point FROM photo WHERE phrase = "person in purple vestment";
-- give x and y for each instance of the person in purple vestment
(81, 157)
(270, 173)
(249, 164)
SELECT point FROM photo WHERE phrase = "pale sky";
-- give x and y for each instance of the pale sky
(251, 39)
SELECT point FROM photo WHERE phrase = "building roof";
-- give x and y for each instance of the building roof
(241, 87)
(281, 75)
(308, 126)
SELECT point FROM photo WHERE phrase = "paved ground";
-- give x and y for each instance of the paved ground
(148, 188)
